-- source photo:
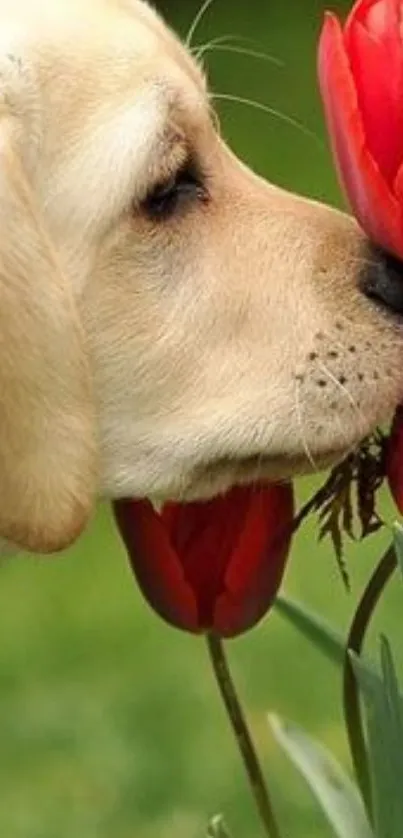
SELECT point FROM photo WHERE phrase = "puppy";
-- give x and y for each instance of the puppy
(170, 324)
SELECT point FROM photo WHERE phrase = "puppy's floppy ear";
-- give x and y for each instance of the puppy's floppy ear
(47, 446)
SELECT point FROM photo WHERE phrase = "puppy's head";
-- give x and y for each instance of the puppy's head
(170, 323)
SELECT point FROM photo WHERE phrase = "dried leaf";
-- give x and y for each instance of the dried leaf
(347, 502)
(348, 513)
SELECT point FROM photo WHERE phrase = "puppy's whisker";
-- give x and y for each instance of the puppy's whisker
(199, 49)
(362, 260)
(197, 21)
(252, 53)
(260, 106)
(301, 429)
(343, 389)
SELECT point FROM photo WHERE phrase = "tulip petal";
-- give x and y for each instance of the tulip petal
(398, 185)
(376, 15)
(394, 459)
(204, 536)
(377, 67)
(257, 564)
(371, 200)
(155, 564)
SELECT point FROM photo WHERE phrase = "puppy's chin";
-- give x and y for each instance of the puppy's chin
(218, 476)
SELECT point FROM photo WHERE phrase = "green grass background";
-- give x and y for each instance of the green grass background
(110, 725)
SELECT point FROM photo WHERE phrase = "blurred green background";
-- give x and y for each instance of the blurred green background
(110, 725)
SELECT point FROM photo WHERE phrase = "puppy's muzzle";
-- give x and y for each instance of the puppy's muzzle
(382, 281)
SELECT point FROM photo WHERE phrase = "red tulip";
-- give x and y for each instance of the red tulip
(361, 79)
(394, 459)
(211, 566)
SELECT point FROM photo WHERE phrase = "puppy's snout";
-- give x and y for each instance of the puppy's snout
(382, 281)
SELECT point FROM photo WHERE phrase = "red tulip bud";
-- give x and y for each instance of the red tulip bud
(394, 459)
(211, 566)
(361, 80)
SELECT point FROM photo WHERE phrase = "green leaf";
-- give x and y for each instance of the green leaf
(314, 628)
(397, 532)
(319, 632)
(384, 713)
(217, 828)
(321, 635)
(336, 793)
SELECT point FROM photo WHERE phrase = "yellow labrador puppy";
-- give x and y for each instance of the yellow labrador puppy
(170, 324)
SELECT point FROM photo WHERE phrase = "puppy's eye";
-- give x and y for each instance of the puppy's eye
(175, 194)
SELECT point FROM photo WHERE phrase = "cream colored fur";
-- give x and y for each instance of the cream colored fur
(158, 358)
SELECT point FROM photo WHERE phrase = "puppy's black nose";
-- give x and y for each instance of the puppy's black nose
(382, 281)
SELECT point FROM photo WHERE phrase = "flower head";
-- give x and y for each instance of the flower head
(214, 565)
(361, 80)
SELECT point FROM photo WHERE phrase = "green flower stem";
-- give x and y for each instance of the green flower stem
(351, 697)
(242, 735)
